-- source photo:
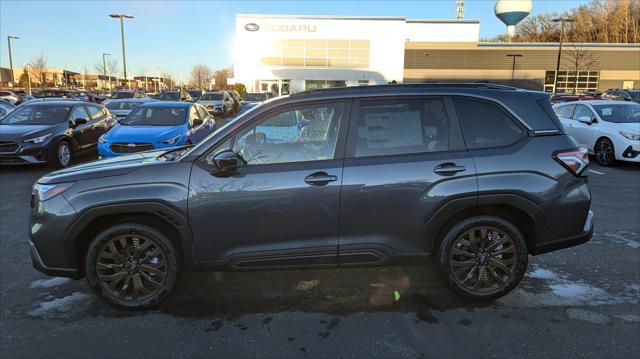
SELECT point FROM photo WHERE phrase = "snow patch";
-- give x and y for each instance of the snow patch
(587, 316)
(631, 239)
(541, 273)
(631, 318)
(59, 304)
(48, 283)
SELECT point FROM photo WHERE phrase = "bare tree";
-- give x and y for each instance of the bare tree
(579, 59)
(167, 80)
(109, 67)
(39, 69)
(221, 77)
(200, 75)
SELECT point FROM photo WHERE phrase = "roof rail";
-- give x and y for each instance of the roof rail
(479, 85)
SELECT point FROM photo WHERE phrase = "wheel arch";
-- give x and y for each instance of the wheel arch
(523, 213)
(154, 214)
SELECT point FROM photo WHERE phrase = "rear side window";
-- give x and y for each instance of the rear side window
(485, 125)
(402, 126)
(565, 111)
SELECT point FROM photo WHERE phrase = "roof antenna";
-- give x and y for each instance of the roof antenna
(459, 9)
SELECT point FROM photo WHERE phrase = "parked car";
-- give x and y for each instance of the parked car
(52, 132)
(174, 96)
(248, 106)
(157, 125)
(5, 107)
(121, 108)
(218, 103)
(195, 94)
(610, 130)
(9, 96)
(254, 97)
(127, 94)
(475, 176)
(623, 95)
(558, 98)
(91, 97)
(68, 94)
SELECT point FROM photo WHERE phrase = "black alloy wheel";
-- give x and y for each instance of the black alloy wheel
(605, 154)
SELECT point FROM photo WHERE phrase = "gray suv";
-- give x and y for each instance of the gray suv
(475, 177)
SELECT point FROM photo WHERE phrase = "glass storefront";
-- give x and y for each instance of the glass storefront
(317, 53)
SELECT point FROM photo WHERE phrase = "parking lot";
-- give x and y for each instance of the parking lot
(581, 301)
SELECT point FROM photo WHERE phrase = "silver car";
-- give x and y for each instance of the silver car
(218, 103)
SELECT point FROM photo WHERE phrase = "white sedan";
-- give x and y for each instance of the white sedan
(610, 130)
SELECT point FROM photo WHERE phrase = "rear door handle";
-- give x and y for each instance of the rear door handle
(448, 169)
(320, 178)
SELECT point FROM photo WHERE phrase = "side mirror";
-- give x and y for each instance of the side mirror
(77, 122)
(585, 119)
(197, 122)
(226, 161)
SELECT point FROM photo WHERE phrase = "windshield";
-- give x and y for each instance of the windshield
(37, 115)
(156, 116)
(122, 105)
(211, 97)
(122, 95)
(195, 93)
(173, 96)
(255, 97)
(635, 94)
(622, 113)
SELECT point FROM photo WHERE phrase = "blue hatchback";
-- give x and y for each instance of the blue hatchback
(157, 125)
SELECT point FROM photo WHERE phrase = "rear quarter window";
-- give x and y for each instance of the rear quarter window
(486, 125)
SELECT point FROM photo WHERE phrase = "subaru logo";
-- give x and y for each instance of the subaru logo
(131, 145)
(252, 26)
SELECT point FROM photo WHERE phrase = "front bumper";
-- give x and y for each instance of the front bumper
(38, 264)
(26, 155)
(585, 236)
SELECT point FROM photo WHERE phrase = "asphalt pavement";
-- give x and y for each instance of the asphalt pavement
(577, 302)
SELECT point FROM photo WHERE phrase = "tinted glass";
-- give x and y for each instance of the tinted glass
(122, 105)
(255, 97)
(156, 116)
(94, 112)
(582, 111)
(122, 95)
(171, 96)
(622, 113)
(635, 94)
(401, 126)
(564, 111)
(305, 134)
(211, 97)
(37, 115)
(202, 112)
(485, 124)
(79, 112)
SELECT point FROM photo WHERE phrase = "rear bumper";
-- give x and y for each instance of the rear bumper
(585, 236)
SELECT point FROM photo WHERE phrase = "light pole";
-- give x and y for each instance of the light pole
(561, 20)
(124, 56)
(104, 68)
(513, 66)
(9, 38)
(26, 65)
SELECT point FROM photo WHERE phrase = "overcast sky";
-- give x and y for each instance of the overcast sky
(174, 35)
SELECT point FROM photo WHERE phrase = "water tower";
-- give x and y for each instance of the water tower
(511, 12)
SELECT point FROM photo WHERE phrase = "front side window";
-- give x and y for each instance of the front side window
(296, 135)
(156, 116)
(582, 111)
(401, 126)
(94, 112)
(78, 112)
(485, 125)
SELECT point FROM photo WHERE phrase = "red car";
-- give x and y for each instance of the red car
(569, 97)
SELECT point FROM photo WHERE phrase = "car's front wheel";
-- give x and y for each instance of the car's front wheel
(605, 152)
(132, 266)
(482, 257)
(64, 154)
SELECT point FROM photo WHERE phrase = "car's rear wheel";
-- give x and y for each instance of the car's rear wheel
(64, 154)
(605, 152)
(132, 266)
(482, 257)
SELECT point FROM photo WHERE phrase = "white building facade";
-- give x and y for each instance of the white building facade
(287, 54)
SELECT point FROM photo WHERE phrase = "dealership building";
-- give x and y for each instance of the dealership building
(290, 53)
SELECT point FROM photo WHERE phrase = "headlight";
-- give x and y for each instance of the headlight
(630, 136)
(102, 140)
(38, 139)
(48, 191)
(172, 140)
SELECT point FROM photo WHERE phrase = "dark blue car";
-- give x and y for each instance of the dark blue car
(157, 125)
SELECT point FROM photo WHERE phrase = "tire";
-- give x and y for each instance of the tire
(63, 155)
(454, 269)
(605, 152)
(127, 292)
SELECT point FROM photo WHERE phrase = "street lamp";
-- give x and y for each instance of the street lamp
(561, 20)
(26, 65)
(104, 68)
(124, 56)
(513, 66)
(9, 38)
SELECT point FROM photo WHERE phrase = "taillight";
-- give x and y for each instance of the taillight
(575, 161)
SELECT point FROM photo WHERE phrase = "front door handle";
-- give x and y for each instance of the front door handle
(320, 178)
(448, 169)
